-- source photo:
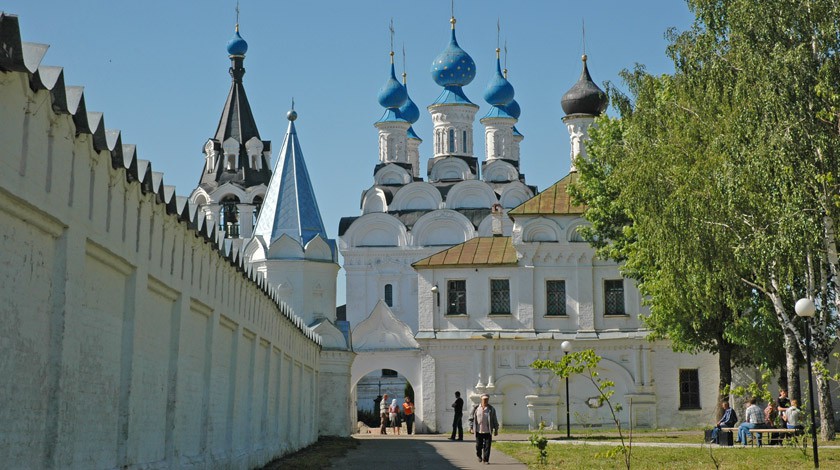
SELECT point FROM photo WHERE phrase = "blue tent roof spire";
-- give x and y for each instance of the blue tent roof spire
(290, 207)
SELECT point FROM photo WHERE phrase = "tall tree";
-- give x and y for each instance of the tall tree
(723, 178)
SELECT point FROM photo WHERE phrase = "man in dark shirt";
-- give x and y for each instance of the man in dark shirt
(728, 420)
(458, 406)
(783, 404)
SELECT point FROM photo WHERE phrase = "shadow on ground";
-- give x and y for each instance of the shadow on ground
(392, 451)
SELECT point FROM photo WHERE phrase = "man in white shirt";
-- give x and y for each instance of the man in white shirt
(383, 415)
(753, 418)
(486, 425)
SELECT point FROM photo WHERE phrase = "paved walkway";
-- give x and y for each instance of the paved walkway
(423, 451)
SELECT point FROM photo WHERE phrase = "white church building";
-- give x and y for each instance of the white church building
(461, 280)
(457, 281)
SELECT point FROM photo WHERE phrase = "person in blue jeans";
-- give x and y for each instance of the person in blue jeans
(753, 418)
(728, 420)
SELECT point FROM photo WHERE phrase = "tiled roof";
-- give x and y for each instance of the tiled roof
(554, 200)
(477, 251)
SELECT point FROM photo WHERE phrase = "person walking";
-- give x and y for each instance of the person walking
(457, 427)
(383, 415)
(408, 411)
(483, 420)
(394, 416)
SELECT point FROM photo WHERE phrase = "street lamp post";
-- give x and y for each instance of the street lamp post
(566, 346)
(805, 308)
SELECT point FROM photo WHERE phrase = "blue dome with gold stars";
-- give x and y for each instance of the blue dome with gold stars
(453, 66)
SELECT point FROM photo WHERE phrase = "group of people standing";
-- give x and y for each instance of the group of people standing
(483, 421)
(783, 413)
(393, 415)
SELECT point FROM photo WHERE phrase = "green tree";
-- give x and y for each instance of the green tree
(718, 184)
(585, 363)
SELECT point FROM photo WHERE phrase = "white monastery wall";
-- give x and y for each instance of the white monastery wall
(129, 339)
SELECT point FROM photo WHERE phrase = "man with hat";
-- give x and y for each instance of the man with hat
(483, 420)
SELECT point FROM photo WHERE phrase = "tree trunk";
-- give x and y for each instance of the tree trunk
(827, 427)
(792, 366)
(725, 368)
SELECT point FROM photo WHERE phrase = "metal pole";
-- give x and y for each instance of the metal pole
(811, 394)
(568, 427)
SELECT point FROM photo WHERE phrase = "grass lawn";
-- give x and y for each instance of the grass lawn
(668, 436)
(659, 458)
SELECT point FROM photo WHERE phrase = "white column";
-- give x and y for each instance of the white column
(498, 138)
(392, 141)
(578, 127)
(459, 118)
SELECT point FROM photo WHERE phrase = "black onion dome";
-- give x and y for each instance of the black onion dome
(584, 97)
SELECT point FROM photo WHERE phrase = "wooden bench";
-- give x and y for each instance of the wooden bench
(787, 432)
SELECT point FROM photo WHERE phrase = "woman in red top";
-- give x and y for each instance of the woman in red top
(408, 411)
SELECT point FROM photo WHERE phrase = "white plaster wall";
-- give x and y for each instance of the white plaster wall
(128, 341)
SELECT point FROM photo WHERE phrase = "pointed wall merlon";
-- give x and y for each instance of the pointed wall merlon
(19, 56)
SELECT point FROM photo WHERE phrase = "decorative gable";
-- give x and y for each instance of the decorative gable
(381, 330)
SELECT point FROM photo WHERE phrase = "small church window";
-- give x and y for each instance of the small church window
(231, 163)
(499, 296)
(689, 389)
(451, 140)
(464, 141)
(456, 297)
(614, 297)
(389, 295)
(555, 297)
(229, 217)
(257, 206)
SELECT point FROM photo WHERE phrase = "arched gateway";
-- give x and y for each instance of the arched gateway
(382, 341)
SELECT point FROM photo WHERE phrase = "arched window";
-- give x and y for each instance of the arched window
(258, 200)
(451, 140)
(464, 141)
(389, 295)
(229, 217)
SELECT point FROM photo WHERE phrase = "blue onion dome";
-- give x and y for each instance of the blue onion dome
(584, 97)
(453, 66)
(499, 91)
(513, 109)
(392, 94)
(237, 45)
(409, 110)
(412, 135)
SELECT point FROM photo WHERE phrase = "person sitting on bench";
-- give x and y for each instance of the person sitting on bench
(793, 416)
(754, 418)
(728, 420)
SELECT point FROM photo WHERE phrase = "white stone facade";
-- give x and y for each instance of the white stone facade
(130, 337)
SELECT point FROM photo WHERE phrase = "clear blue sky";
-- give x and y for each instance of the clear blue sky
(159, 71)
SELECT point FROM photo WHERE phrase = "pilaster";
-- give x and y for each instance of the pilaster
(336, 413)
